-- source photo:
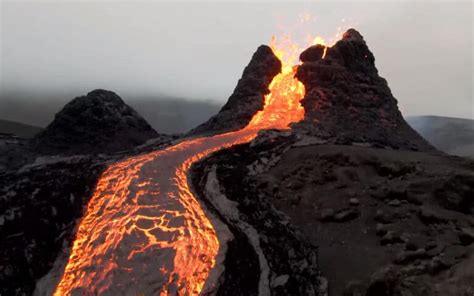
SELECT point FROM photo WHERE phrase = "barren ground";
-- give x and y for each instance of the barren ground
(381, 218)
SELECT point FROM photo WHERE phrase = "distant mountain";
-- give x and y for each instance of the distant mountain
(18, 129)
(451, 135)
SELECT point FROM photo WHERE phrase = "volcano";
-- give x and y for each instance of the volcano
(307, 182)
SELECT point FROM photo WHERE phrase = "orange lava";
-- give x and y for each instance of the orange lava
(143, 210)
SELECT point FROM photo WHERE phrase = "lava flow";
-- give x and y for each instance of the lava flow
(144, 232)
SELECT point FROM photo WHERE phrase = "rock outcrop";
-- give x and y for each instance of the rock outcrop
(39, 207)
(346, 100)
(248, 95)
(100, 122)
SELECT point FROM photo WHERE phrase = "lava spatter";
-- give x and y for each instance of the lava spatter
(144, 232)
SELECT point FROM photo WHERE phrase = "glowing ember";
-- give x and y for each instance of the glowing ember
(144, 231)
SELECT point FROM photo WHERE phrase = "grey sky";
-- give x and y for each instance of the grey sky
(199, 49)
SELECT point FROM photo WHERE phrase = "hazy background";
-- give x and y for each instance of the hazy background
(177, 63)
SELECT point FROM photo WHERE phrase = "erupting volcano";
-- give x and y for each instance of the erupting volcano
(308, 180)
(144, 231)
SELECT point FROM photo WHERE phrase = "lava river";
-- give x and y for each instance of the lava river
(144, 232)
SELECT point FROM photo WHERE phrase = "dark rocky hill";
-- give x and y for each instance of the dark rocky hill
(248, 95)
(100, 122)
(346, 100)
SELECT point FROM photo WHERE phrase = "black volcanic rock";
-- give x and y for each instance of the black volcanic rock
(348, 101)
(39, 207)
(100, 122)
(248, 95)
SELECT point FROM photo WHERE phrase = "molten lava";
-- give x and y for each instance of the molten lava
(144, 231)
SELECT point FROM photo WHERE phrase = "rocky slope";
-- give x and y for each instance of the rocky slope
(248, 95)
(384, 221)
(347, 101)
(387, 213)
(97, 122)
(268, 256)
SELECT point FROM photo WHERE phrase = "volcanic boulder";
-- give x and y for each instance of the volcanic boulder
(248, 95)
(100, 122)
(346, 100)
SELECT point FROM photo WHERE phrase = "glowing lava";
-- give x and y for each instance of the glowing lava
(144, 232)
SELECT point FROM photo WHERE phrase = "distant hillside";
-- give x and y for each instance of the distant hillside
(451, 135)
(174, 116)
(178, 115)
(164, 114)
(19, 129)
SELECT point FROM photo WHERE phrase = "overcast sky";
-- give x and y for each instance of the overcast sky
(199, 49)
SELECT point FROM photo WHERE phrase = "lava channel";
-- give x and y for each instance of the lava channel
(144, 232)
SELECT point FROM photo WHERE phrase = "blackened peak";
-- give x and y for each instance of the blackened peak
(248, 96)
(313, 53)
(353, 35)
(100, 122)
(263, 51)
(102, 94)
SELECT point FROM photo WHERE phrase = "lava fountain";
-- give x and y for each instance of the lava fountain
(144, 232)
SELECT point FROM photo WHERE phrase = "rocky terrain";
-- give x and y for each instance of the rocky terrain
(350, 201)
(40, 205)
(385, 222)
(98, 122)
(290, 262)
(14, 152)
(388, 213)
